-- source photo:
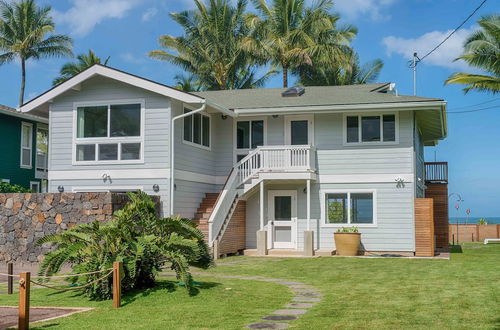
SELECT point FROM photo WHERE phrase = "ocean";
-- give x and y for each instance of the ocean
(490, 220)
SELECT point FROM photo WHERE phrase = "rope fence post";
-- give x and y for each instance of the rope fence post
(24, 301)
(117, 287)
(10, 278)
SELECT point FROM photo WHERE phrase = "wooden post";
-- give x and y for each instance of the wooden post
(24, 301)
(10, 279)
(117, 284)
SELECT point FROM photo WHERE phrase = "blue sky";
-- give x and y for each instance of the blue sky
(388, 29)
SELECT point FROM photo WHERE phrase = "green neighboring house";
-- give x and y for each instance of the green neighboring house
(24, 149)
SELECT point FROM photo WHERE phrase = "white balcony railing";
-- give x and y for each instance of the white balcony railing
(276, 159)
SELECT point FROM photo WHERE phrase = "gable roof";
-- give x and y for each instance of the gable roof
(14, 113)
(42, 100)
(313, 96)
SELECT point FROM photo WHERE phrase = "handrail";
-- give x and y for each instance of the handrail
(436, 171)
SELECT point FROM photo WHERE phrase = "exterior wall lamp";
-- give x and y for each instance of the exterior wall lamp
(60, 189)
(156, 188)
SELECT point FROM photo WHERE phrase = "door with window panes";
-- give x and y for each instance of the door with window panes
(282, 218)
(249, 135)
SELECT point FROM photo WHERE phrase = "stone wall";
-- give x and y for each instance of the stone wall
(25, 218)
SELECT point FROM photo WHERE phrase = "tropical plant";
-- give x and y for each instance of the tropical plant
(335, 74)
(348, 230)
(6, 188)
(289, 34)
(211, 48)
(136, 237)
(83, 61)
(187, 83)
(482, 221)
(482, 51)
(25, 33)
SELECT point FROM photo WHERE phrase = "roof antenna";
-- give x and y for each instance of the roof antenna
(413, 64)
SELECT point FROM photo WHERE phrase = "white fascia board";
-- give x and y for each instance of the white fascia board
(222, 109)
(403, 106)
(25, 116)
(112, 74)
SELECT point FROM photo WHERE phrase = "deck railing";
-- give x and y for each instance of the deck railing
(436, 172)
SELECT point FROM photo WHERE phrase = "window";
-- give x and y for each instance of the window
(109, 132)
(197, 129)
(26, 144)
(35, 186)
(370, 128)
(5, 181)
(42, 148)
(249, 134)
(355, 208)
(299, 132)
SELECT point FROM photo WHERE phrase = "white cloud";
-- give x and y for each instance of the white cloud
(443, 56)
(131, 58)
(84, 15)
(149, 14)
(352, 9)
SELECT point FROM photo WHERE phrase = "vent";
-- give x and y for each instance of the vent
(293, 91)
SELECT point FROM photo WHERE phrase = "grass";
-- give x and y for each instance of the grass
(461, 293)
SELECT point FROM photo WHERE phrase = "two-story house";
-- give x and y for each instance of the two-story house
(23, 149)
(251, 167)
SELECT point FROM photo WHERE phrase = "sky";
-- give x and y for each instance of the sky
(390, 30)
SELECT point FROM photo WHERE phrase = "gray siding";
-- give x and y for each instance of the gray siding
(188, 196)
(157, 123)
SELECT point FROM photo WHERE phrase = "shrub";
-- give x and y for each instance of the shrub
(6, 188)
(135, 236)
(483, 221)
(347, 230)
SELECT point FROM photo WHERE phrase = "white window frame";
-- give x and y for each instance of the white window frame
(5, 181)
(310, 129)
(193, 144)
(108, 140)
(30, 126)
(323, 208)
(35, 183)
(369, 114)
(246, 151)
(46, 166)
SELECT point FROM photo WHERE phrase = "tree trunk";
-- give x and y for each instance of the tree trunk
(23, 81)
(285, 77)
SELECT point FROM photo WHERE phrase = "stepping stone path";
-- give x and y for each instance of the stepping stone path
(306, 296)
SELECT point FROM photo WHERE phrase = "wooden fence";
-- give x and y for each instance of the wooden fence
(424, 227)
(473, 232)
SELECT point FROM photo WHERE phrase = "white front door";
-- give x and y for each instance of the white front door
(282, 218)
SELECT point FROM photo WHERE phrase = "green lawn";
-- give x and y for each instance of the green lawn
(359, 293)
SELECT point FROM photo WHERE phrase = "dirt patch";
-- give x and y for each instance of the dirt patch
(9, 315)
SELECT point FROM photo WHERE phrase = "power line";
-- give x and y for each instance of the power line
(453, 32)
(475, 110)
(475, 105)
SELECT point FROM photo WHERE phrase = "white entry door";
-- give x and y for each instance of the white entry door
(282, 217)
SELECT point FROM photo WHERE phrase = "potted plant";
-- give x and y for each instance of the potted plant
(347, 240)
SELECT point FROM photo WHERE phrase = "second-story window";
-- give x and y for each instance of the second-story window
(371, 128)
(249, 134)
(197, 129)
(109, 133)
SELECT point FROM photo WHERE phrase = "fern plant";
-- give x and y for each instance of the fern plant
(137, 237)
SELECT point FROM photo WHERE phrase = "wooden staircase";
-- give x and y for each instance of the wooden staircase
(203, 213)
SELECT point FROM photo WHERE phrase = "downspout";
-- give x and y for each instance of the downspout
(172, 151)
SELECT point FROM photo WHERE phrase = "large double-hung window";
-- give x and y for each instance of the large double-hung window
(349, 208)
(109, 133)
(365, 129)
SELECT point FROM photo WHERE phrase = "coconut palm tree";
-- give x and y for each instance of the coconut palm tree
(482, 51)
(84, 61)
(211, 48)
(25, 33)
(289, 34)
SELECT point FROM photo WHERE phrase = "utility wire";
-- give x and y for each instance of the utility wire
(475, 105)
(476, 110)
(453, 32)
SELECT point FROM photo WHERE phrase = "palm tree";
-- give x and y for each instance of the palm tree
(289, 34)
(71, 69)
(211, 48)
(333, 74)
(24, 35)
(187, 83)
(482, 51)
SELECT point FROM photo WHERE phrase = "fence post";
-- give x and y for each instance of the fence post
(117, 287)
(10, 279)
(24, 301)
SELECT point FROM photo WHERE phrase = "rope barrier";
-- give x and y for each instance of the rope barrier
(72, 288)
(60, 276)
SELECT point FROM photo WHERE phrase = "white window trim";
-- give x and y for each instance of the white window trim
(35, 183)
(370, 114)
(42, 127)
(323, 194)
(108, 140)
(288, 128)
(5, 181)
(30, 126)
(193, 144)
(246, 151)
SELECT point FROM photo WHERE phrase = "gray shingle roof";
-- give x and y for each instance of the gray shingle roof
(314, 96)
(4, 107)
